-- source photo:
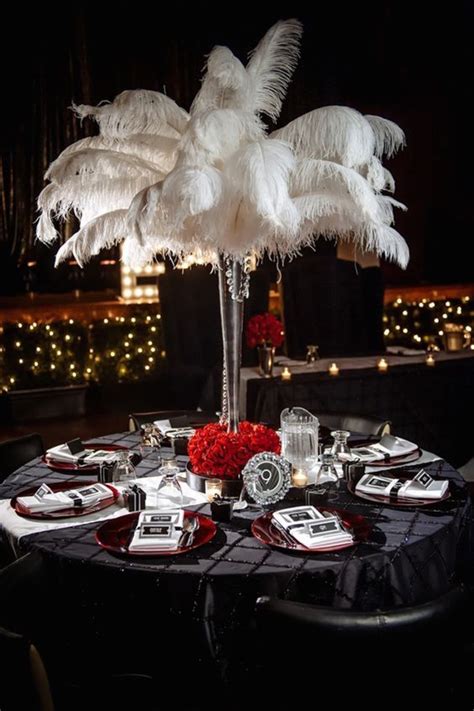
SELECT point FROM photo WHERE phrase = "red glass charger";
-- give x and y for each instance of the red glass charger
(68, 467)
(73, 511)
(115, 535)
(399, 501)
(266, 532)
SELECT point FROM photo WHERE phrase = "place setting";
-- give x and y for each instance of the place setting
(61, 500)
(156, 533)
(75, 456)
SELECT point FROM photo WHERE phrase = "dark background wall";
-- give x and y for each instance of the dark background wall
(411, 63)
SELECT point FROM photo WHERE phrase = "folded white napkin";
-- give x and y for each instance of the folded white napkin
(45, 500)
(174, 432)
(410, 489)
(389, 446)
(157, 530)
(311, 528)
(61, 453)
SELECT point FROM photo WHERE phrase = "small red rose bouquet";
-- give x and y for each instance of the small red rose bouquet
(264, 330)
(215, 452)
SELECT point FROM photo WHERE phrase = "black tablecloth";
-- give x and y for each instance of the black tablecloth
(208, 594)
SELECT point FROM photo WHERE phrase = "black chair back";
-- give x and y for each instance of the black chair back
(384, 656)
(16, 452)
(363, 424)
(24, 683)
(177, 418)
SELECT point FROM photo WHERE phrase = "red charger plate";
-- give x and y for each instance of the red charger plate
(266, 532)
(57, 466)
(405, 459)
(72, 512)
(115, 535)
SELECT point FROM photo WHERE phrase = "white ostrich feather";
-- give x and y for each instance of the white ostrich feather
(101, 233)
(326, 215)
(137, 111)
(225, 84)
(386, 205)
(86, 198)
(66, 251)
(271, 66)
(214, 135)
(189, 191)
(389, 137)
(335, 133)
(158, 150)
(260, 173)
(92, 162)
(312, 175)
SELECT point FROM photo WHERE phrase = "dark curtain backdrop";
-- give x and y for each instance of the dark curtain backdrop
(411, 63)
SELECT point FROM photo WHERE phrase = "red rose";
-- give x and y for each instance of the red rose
(214, 452)
(264, 329)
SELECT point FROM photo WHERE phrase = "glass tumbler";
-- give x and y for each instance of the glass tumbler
(299, 438)
(169, 493)
(340, 449)
(327, 471)
(150, 443)
(124, 471)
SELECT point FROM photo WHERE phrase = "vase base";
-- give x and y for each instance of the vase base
(230, 487)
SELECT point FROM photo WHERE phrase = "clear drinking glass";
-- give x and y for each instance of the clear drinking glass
(150, 443)
(169, 493)
(340, 449)
(124, 471)
(327, 471)
(299, 437)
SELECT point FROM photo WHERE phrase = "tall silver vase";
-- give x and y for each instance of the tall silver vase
(233, 289)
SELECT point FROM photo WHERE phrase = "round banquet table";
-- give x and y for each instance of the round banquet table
(125, 610)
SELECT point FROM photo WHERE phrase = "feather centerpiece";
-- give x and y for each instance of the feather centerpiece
(161, 180)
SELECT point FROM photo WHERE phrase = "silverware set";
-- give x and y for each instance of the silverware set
(190, 526)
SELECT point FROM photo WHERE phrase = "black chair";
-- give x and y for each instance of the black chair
(177, 418)
(362, 424)
(408, 654)
(29, 611)
(16, 452)
(24, 683)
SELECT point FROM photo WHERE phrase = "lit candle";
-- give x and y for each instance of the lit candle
(430, 359)
(213, 488)
(299, 478)
(382, 365)
(286, 374)
(333, 369)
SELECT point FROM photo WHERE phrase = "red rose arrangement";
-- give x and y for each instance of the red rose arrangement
(264, 329)
(215, 452)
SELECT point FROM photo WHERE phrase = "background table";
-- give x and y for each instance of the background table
(428, 405)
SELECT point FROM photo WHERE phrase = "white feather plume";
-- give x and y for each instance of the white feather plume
(158, 150)
(225, 84)
(260, 173)
(137, 111)
(101, 233)
(92, 162)
(389, 137)
(335, 133)
(214, 135)
(271, 66)
(313, 175)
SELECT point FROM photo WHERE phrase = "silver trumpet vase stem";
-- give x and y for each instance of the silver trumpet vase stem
(233, 288)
